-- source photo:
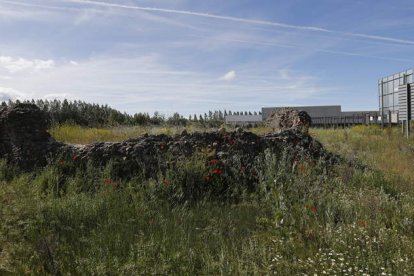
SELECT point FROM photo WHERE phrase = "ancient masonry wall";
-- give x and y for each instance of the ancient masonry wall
(25, 142)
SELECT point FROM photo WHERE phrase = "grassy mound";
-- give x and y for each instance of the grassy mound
(298, 219)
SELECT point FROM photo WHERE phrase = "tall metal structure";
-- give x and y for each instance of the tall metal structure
(396, 102)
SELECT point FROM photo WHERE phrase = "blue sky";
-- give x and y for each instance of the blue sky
(192, 56)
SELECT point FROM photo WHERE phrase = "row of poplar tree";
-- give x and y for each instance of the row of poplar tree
(95, 115)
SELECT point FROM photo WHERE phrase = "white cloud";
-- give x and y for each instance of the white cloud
(229, 76)
(284, 74)
(7, 93)
(13, 65)
(120, 83)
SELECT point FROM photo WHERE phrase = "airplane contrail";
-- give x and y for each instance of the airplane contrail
(40, 6)
(283, 45)
(220, 17)
(199, 14)
(241, 20)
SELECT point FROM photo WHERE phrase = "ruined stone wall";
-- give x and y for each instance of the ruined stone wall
(289, 119)
(24, 141)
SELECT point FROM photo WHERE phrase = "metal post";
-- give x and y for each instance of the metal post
(408, 87)
(407, 125)
(382, 104)
(389, 118)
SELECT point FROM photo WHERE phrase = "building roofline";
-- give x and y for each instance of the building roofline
(302, 106)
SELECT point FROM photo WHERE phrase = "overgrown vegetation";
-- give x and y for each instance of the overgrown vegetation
(75, 134)
(387, 150)
(301, 219)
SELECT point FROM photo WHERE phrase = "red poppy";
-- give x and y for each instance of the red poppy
(214, 162)
(107, 182)
(217, 171)
(75, 157)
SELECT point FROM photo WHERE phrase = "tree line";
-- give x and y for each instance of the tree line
(95, 115)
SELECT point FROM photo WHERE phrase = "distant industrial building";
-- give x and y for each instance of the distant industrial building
(313, 111)
(330, 115)
(243, 120)
(396, 104)
(396, 99)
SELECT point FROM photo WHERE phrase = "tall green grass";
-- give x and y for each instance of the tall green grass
(386, 150)
(75, 134)
(305, 219)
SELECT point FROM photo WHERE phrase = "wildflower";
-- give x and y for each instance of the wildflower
(301, 168)
(214, 162)
(217, 171)
(75, 157)
(362, 223)
(313, 210)
(115, 185)
(108, 182)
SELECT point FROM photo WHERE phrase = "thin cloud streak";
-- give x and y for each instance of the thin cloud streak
(282, 45)
(208, 15)
(22, 4)
(242, 20)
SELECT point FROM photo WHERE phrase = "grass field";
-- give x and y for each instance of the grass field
(81, 135)
(347, 220)
(386, 150)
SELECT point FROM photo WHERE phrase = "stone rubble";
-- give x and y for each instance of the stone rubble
(289, 119)
(24, 141)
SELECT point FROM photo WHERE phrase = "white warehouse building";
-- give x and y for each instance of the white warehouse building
(243, 120)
